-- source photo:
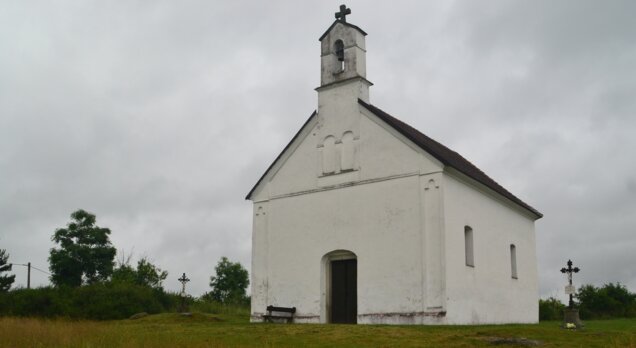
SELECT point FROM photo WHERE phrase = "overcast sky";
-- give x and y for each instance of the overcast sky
(159, 116)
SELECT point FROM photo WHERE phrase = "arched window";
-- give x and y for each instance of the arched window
(329, 155)
(468, 246)
(513, 261)
(346, 156)
(338, 50)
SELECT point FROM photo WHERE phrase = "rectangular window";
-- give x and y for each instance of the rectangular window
(468, 243)
(513, 261)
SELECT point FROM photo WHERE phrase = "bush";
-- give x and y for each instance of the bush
(550, 309)
(98, 301)
(40, 302)
(205, 305)
(114, 301)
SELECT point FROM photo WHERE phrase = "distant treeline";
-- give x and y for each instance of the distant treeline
(89, 284)
(605, 302)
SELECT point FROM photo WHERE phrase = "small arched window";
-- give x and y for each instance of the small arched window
(329, 155)
(338, 49)
(346, 156)
(468, 246)
(513, 261)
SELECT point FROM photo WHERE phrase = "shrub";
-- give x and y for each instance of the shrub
(205, 305)
(41, 302)
(114, 301)
(550, 309)
(98, 301)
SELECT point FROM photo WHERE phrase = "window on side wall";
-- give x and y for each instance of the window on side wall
(513, 261)
(468, 246)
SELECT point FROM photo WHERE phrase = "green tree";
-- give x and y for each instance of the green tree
(145, 274)
(609, 301)
(230, 282)
(149, 274)
(5, 280)
(85, 254)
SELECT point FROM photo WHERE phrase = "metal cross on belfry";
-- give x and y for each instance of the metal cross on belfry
(183, 281)
(569, 272)
(344, 11)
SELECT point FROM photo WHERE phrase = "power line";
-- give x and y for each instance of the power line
(37, 269)
(29, 266)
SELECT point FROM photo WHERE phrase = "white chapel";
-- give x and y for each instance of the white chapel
(364, 219)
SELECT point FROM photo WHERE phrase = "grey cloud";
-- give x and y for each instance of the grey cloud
(159, 117)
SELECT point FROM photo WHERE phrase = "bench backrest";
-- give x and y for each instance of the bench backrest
(281, 309)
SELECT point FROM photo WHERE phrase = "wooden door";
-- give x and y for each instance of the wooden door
(344, 289)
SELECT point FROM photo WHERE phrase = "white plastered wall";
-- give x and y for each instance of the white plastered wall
(377, 215)
(379, 232)
(487, 293)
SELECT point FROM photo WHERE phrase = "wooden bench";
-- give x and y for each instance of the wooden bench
(283, 313)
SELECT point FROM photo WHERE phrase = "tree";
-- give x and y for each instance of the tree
(145, 274)
(5, 280)
(85, 254)
(149, 274)
(230, 282)
(609, 301)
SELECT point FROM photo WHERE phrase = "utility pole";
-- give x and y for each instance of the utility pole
(28, 266)
(29, 275)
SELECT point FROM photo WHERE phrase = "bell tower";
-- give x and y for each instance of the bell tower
(342, 63)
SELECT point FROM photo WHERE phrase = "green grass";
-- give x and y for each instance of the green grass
(233, 330)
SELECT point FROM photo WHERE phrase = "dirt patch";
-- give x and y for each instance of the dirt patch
(138, 315)
(516, 341)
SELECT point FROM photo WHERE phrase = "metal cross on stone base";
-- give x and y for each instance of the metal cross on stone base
(570, 289)
(183, 308)
(183, 281)
(344, 11)
(571, 315)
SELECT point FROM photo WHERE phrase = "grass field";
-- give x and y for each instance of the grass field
(226, 330)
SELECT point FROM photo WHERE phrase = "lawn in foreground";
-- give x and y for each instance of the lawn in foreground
(204, 330)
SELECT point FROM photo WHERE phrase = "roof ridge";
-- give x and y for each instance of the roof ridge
(447, 156)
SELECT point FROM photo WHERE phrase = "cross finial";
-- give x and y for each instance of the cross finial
(342, 14)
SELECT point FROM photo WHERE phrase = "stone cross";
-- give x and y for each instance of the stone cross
(342, 14)
(569, 272)
(183, 281)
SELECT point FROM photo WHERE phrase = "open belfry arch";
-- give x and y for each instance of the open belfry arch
(363, 219)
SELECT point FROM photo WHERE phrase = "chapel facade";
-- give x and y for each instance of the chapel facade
(364, 219)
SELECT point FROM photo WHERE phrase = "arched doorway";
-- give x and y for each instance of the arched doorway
(340, 287)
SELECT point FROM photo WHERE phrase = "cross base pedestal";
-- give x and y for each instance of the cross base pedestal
(183, 306)
(571, 316)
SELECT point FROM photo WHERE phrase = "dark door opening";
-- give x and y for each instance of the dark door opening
(344, 289)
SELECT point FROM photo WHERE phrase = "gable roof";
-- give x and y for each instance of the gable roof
(440, 152)
(249, 195)
(447, 156)
(346, 24)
